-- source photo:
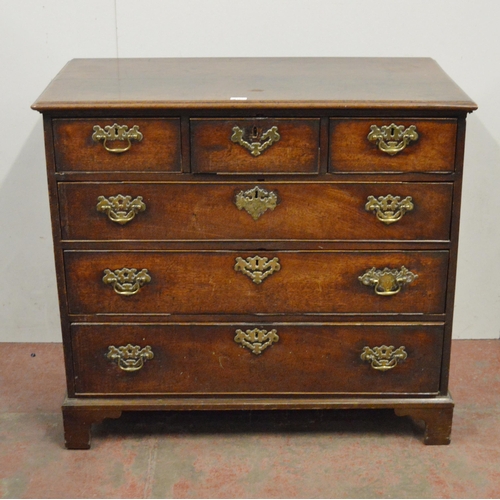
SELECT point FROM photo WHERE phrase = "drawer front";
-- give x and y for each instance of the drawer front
(142, 144)
(225, 359)
(246, 145)
(270, 211)
(223, 282)
(356, 147)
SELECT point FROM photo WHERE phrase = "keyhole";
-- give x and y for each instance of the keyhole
(255, 133)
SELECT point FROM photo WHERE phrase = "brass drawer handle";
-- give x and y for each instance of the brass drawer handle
(257, 268)
(120, 209)
(388, 281)
(126, 281)
(130, 358)
(267, 139)
(256, 201)
(389, 209)
(256, 340)
(384, 358)
(392, 139)
(116, 132)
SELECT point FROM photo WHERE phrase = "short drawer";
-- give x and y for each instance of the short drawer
(255, 145)
(256, 359)
(118, 144)
(229, 282)
(392, 145)
(267, 211)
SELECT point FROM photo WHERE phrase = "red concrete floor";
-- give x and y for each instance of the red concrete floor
(343, 454)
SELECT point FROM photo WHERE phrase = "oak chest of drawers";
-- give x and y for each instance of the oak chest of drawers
(255, 234)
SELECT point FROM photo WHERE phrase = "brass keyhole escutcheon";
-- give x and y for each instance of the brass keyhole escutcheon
(257, 268)
(256, 147)
(256, 340)
(256, 201)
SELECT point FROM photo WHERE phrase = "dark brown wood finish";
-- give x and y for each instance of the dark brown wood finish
(269, 83)
(296, 151)
(322, 170)
(437, 422)
(159, 150)
(433, 151)
(80, 413)
(308, 282)
(208, 211)
(58, 251)
(452, 269)
(307, 359)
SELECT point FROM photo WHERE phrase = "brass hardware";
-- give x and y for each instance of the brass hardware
(120, 209)
(389, 209)
(387, 281)
(126, 281)
(130, 358)
(257, 268)
(256, 148)
(256, 340)
(116, 132)
(384, 358)
(392, 139)
(256, 201)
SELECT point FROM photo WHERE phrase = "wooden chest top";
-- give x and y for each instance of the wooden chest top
(335, 83)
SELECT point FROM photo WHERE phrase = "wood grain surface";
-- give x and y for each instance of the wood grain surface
(305, 211)
(205, 359)
(159, 150)
(351, 151)
(277, 83)
(206, 282)
(297, 150)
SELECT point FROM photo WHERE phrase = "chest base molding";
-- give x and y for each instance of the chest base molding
(81, 413)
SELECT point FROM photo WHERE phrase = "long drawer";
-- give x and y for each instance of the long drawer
(118, 144)
(392, 145)
(228, 282)
(268, 211)
(256, 359)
